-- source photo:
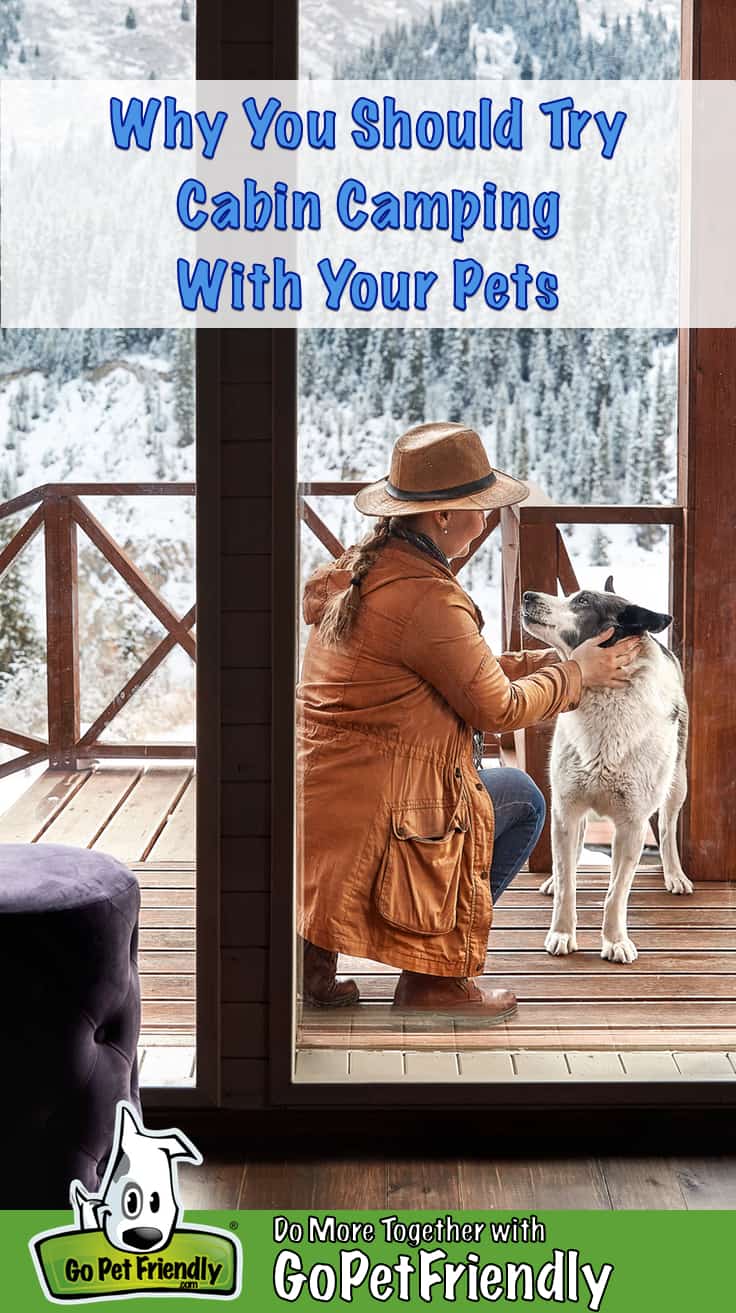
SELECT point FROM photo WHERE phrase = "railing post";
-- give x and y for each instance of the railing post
(537, 572)
(62, 632)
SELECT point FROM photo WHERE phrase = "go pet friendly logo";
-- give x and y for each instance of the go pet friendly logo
(127, 1240)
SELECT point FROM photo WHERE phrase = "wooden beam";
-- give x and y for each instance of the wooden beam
(707, 418)
(27, 530)
(62, 632)
(134, 578)
(320, 529)
(565, 569)
(558, 514)
(136, 682)
(538, 571)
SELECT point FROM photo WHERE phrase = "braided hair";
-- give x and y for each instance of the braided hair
(341, 609)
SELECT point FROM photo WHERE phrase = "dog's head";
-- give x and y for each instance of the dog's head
(139, 1208)
(565, 622)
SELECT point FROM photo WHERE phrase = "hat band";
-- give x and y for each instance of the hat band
(460, 490)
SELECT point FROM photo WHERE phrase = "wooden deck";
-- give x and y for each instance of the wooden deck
(679, 996)
(145, 816)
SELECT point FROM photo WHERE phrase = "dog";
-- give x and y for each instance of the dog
(620, 754)
(138, 1206)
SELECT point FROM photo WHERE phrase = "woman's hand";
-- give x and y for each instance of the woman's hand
(606, 667)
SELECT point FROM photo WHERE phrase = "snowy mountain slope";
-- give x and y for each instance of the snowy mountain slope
(90, 39)
(332, 30)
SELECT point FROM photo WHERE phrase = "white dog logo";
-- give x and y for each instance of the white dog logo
(138, 1205)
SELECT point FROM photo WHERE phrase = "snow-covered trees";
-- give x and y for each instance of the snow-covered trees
(548, 403)
(183, 375)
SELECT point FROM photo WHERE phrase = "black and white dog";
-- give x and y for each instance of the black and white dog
(620, 754)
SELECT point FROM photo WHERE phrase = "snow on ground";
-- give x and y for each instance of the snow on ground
(87, 39)
(332, 30)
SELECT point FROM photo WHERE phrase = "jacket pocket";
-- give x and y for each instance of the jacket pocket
(419, 876)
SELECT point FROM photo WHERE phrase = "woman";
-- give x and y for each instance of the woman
(397, 829)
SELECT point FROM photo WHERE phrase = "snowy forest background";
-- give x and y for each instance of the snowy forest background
(588, 416)
(98, 405)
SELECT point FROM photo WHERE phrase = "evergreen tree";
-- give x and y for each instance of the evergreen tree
(183, 378)
(457, 379)
(521, 449)
(185, 14)
(599, 546)
(130, 19)
(20, 642)
(414, 385)
(501, 457)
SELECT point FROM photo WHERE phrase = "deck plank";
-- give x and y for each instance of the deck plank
(136, 825)
(90, 808)
(27, 818)
(585, 962)
(167, 1014)
(624, 1040)
(156, 938)
(166, 962)
(176, 918)
(648, 940)
(176, 841)
(678, 912)
(555, 985)
(714, 894)
(167, 897)
(613, 1014)
(175, 987)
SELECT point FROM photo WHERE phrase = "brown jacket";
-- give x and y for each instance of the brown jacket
(394, 827)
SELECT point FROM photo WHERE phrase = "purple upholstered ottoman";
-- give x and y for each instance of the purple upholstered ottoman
(70, 1016)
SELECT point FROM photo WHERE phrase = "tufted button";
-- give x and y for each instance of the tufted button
(480, 785)
(100, 1035)
(458, 772)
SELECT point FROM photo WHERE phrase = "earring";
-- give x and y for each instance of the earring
(444, 530)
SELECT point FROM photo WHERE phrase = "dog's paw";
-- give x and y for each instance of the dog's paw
(619, 950)
(678, 884)
(559, 945)
(547, 886)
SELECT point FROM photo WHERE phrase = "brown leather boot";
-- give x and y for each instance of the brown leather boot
(320, 988)
(454, 995)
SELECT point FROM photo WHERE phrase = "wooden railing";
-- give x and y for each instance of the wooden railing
(533, 557)
(59, 512)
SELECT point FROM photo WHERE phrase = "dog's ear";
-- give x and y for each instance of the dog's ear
(638, 620)
(608, 585)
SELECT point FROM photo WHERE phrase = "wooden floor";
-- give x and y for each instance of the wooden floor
(145, 816)
(678, 997)
(483, 1182)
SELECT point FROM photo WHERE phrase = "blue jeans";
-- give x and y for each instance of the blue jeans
(520, 811)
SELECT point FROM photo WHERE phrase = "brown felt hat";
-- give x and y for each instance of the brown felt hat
(437, 467)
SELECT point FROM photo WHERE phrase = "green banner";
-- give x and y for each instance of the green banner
(74, 1265)
(621, 1262)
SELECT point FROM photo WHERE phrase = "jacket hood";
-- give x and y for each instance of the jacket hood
(398, 560)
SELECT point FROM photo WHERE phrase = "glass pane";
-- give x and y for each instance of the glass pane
(586, 417)
(105, 406)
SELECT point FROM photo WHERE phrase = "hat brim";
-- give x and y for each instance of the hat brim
(374, 499)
